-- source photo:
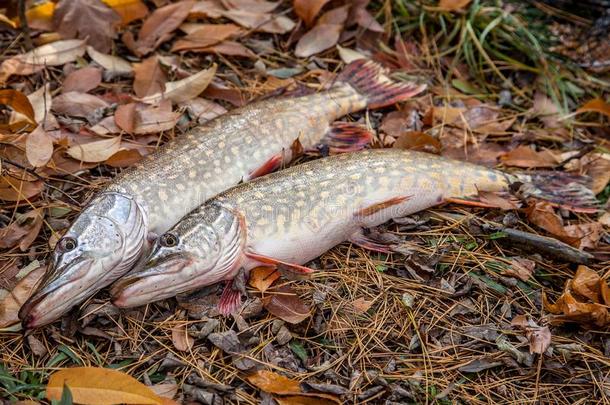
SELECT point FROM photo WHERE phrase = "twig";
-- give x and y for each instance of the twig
(25, 29)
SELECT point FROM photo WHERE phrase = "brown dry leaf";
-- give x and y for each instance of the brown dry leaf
(41, 102)
(586, 283)
(520, 321)
(526, 157)
(22, 231)
(286, 305)
(54, 54)
(318, 39)
(604, 290)
(598, 168)
(12, 189)
(479, 118)
(205, 36)
(82, 80)
(158, 27)
(539, 338)
(148, 77)
(229, 48)
(543, 215)
(124, 158)
(261, 278)
(185, 89)
(546, 110)
(202, 110)
(181, 339)
(114, 65)
(568, 309)
(205, 9)
(364, 19)
(166, 390)
(605, 219)
(10, 305)
(453, 5)
(86, 19)
(128, 10)
(520, 268)
(155, 118)
(360, 305)
(274, 383)
(125, 117)
(92, 385)
(588, 234)
(272, 24)
(256, 6)
(38, 147)
(77, 104)
(418, 141)
(596, 105)
(494, 200)
(24, 118)
(96, 151)
(307, 10)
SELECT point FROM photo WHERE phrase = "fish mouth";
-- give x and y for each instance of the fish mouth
(159, 279)
(43, 307)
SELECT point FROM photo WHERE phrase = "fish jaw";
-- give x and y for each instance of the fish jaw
(55, 299)
(160, 279)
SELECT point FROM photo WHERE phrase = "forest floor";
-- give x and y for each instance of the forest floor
(464, 310)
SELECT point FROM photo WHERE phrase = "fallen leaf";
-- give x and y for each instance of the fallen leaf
(418, 141)
(22, 231)
(10, 305)
(360, 305)
(92, 385)
(524, 156)
(229, 48)
(596, 105)
(453, 5)
(77, 104)
(125, 117)
(107, 126)
(304, 400)
(41, 102)
(181, 339)
(128, 10)
(605, 219)
(546, 110)
(148, 77)
(261, 278)
(568, 309)
(586, 283)
(588, 234)
(202, 110)
(308, 10)
(520, 321)
(520, 268)
(124, 158)
(96, 151)
(165, 389)
(274, 383)
(539, 339)
(349, 55)
(40, 16)
(82, 80)
(21, 105)
(543, 215)
(86, 19)
(318, 39)
(12, 189)
(205, 9)
(205, 36)
(155, 118)
(364, 19)
(598, 168)
(286, 305)
(260, 21)
(494, 200)
(256, 6)
(38, 147)
(185, 89)
(112, 64)
(158, 27)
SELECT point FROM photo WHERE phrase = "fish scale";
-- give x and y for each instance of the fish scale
(100, 246)
(290, 217)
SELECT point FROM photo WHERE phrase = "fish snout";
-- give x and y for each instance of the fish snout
(31, 313)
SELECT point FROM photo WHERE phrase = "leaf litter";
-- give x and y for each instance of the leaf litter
(449, 314)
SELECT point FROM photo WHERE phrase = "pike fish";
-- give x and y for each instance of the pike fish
(288, 218)
(110, 234)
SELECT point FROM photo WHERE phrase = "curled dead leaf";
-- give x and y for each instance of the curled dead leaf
(181, 339)
(22, 231)
(10, 305)
(262, 278)
(185, 89)
(114, 65)
(596, 105)
(418, 141)
(526, 157)
(96, 151)
(23, 116)
(284, 303)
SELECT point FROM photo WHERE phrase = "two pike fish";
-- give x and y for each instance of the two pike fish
(111, 233)
(290, 217)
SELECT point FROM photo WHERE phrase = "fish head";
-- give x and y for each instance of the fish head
(205, 247)
(102, 244)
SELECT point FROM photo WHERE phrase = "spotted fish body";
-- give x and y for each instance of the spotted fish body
(156, 193)
(291, 217)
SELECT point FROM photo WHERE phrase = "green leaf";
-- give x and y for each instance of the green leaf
(299, 350)
(66, 396)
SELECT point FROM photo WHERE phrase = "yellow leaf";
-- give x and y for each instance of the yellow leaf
(453, 5)
(100, 386)
(129, 10)
(595, 105)
(7, 21)
(41, 16)
(261, 278)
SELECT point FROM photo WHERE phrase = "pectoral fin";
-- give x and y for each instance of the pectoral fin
(347, 137)
(360, 239)
(269, 166)
(297, 268)
(372, 209)
(230, 299)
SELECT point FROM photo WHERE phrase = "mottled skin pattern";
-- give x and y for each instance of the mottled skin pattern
(193, 168)
(291, 217)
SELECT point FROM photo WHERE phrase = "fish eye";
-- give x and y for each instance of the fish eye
(67, 244)
(169, 240)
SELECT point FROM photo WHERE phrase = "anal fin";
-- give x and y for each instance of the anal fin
(360, 239)
(269, 166)
(372, 209)
(230, 299)
(347, 137)
(296, 268)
